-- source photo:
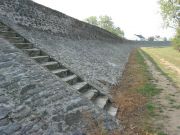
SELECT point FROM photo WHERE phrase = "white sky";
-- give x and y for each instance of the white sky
(132, 16)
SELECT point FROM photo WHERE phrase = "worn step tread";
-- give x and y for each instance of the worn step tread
(79, 85)
(41, 56)
(112, 110)
(26, 44)
(14, 37)
(90, 94)
(59, 71)
(101, 101)
(31, 51)
(49, 63)
(68, 78)
(4, 27)
(20, 39)
(8, 32)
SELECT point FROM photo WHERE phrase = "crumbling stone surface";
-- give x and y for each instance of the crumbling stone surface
(92, 53)
(34, 101)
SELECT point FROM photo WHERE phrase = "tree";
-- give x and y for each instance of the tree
(92, 20)
(176, 40)
(169, 9)
(119, 32)
(151, 38)
(106, 23)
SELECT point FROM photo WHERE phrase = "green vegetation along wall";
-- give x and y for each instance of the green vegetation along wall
(106, 23)
(170, 11)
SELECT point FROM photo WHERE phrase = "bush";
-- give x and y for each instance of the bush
(176, 40)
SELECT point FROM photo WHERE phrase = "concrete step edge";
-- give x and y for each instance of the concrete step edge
(101, 101)
(90, 94)
(70, 77)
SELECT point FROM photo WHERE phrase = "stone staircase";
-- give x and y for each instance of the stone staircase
(55, 67)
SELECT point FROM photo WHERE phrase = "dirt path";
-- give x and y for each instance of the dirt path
(168, 101)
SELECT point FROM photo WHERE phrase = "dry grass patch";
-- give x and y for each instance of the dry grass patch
(132, 95)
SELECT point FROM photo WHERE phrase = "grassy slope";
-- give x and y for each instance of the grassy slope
(170, 56)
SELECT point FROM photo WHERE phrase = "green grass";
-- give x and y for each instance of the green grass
(176, 106)
(178, 127)
(150, 107)
(149, 90)
(168, 54)
(144, 67)
(162, 133)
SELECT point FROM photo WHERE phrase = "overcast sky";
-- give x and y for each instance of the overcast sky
(132, 16)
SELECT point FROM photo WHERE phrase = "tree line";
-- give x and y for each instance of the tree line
(105, 22)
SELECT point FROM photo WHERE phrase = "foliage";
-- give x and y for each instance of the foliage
(176, 40)
(170, 13)
(151, 38)
(106, 23)
(92, 20)
(169, 9)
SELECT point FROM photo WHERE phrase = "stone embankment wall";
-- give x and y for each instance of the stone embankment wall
(32, 15)
(64, 38)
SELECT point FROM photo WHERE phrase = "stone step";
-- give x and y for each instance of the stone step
(33, 52)
(16, 39)
(8, 33)
(41, 59)
(61, 72)
(72, 79)
(90, 94)
(101, 101)
(4, 28)
(111, 110)
(23, 45)
(1, 23)
(52, 65)
(80, 86)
